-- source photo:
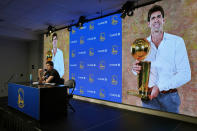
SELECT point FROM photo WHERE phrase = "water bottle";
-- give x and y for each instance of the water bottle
(30, 78)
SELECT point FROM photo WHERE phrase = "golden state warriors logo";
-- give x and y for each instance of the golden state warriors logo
(73, 76)
(81, 90)
(114, 50)
(91, 26)
(102, 65)
(91, 79)
(91, 51)
(114, 20)
(82, 65)
(20, 98)
(114, 80)
(82, 40)
(102, 93)
(73, 53)
(73, 31)
(102, 36)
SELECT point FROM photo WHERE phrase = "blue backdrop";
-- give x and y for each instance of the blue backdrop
(96, 59)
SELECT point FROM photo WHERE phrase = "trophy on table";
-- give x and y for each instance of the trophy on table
(139, 50)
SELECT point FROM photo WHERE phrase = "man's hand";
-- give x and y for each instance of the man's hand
(40, 70)
(40, 75)
(154, 93)
(136, 67)
(40, 81)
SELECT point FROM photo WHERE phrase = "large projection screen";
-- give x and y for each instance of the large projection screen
(98, 55)
(61, 58)
(180, 19)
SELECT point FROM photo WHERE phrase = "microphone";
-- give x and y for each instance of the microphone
(13, 76)
(45, 76)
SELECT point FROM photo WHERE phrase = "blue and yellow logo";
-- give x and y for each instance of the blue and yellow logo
(81, 90)
(91, 51)
(102, 65)
(73, 53)
(114, 80)
(73, 31)
(102, 36)
(82, 65)
(114, 50)
(91, 26)
(91, 78)
(73, 76)
(102, 93)
(20, 98)
(82, 41)
(114, 20)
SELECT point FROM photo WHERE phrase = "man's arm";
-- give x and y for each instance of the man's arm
(49, 79)
(40, 77)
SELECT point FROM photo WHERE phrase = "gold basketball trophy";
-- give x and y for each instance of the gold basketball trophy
(49, 55)
(139, 50)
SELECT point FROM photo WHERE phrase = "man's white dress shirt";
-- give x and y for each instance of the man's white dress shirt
(170, 66)
(58, 61)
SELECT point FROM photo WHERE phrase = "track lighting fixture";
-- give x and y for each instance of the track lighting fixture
(81, 21)
(50, 30)
(69, 28)
(127, 9)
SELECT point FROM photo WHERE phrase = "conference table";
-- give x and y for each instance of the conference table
(38, 101)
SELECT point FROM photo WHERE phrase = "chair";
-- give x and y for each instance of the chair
(71, 85)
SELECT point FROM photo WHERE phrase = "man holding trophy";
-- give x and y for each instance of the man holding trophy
(169, 67)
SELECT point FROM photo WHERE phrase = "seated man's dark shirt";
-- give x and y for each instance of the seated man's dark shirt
(55, 74)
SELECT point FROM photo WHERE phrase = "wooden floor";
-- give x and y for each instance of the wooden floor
(90, 117)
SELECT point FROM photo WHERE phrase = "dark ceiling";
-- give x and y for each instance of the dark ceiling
(25, 19)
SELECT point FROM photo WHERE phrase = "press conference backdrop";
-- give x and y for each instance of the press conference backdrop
(96, 59)
(99, 53)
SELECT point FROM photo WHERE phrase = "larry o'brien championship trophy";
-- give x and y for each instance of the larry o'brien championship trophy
(49, 56)
(139, 50)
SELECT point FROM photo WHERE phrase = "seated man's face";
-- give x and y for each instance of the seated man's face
(54, 42)
(49, 67)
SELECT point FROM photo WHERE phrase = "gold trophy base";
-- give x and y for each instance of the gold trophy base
(139, 94)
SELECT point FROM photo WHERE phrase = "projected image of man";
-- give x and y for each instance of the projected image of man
(57, 57)
(170, 66)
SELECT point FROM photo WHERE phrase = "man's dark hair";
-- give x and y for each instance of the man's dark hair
(154, 9)
(50, 63)
(54, 34)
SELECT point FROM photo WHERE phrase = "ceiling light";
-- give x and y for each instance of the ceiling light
(127, 9)
(81, 21)
(69, 28)
(50, 30)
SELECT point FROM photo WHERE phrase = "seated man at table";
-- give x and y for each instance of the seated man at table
(50, 76)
